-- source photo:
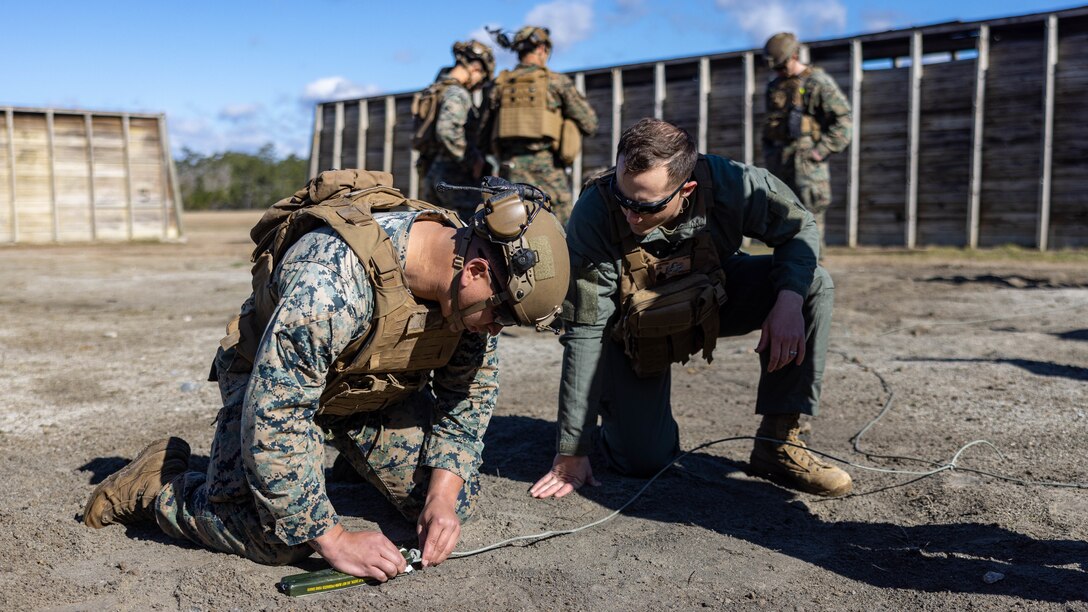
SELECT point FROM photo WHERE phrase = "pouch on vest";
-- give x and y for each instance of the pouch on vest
(370, 392)
(570, 142)
(524, 110)
(672, 321)
(425, 106)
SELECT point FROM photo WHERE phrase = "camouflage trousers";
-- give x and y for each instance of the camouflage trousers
(454, 173)
(218, 508)
(539, 168)
(808, 178)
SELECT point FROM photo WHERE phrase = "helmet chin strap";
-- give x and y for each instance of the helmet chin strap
(456, 320)
(457, 316)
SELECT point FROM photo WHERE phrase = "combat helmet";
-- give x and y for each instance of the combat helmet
(518, 222)
(525, 40)
(779, 49)
(475, 51)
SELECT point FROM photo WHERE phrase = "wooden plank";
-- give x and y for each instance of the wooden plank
(857, 75)
(49, 137)
(364, 126)
(704, 102)
(1048, 131)
(576, 167)
(315, 144)
(617, 109)
(659, 90)
(338, 137)
(88, 128)
(14, 221)
(125, 137)
(172, 189)
(749, 107)
(982, 65)
(913, 137)
(390, 121)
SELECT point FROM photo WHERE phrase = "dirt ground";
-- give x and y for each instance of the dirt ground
(106, 347)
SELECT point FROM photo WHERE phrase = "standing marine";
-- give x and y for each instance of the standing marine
(372, 325)
(446, 130)
(536, 135)
(808, 119)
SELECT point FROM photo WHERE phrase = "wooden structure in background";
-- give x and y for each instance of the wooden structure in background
(966, 134)
(77, 176)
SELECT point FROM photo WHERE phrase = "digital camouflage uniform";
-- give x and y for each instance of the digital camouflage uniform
(534, 161)
(455, 130)
(790, 158)
(263, 495)
(638, 432)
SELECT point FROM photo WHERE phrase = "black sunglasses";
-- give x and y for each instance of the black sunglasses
(642, 208)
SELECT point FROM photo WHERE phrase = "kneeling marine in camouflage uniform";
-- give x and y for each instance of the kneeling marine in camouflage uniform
(358, 327)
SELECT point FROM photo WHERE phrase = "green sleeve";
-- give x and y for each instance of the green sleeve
(772, 214)
(590, 303)
(575, 105)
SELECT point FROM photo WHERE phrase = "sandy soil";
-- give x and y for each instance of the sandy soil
(104, 348)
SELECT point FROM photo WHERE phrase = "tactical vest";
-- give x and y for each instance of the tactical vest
(669, 305)
(425, 107)
(788, 117)
(524, 109)
(406, 339)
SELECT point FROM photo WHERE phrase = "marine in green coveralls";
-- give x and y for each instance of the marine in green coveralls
(654, 199)
(263, 494)
(808, 118)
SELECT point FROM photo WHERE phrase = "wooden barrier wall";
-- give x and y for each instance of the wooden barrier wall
(966, 134)
(68, 176)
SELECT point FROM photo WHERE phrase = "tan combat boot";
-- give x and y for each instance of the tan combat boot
(794, 466)
(128, 494)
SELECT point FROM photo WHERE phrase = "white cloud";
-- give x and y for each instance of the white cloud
(879, 21)
(570, 21)
(239, 112)
(336, 88)
(759, 19)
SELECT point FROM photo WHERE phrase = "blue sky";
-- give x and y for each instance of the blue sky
(237, 74)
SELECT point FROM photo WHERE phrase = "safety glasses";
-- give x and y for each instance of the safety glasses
(642, 208)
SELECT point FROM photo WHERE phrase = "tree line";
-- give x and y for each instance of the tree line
(234, 180)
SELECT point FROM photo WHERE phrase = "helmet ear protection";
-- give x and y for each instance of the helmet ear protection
(517, 220)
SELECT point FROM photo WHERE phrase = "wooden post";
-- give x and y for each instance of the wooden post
(912, 137)
(88, 129)
(576, 167)
(171, 170)
(617, 108)
(49, 136)
(749, 107)
(9, 120)
(1048, 130)
(364, 125)
(164, 176)
(704, 102)
(974, 204)
(659, 90)
(857, 74)
(128, 175)
(338, 137)
(315, 144)
(390, 121)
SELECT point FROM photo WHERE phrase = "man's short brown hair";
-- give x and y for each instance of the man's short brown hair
(651, 143)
